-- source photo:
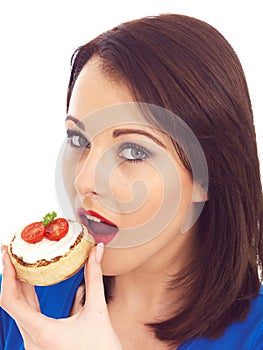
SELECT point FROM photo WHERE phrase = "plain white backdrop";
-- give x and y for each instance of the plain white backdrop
(37, 41)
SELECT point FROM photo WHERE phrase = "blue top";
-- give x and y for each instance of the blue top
(56, 301)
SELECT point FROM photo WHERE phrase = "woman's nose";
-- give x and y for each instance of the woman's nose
(93, 174)
(85, 171)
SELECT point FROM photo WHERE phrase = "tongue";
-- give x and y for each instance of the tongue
(102, 228)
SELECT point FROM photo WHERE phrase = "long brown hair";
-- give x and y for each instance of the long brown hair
(186, 66)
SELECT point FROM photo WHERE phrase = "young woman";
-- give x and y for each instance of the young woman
(160, 103)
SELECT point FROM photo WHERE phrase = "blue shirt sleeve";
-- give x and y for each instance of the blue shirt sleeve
(257, 341)
(245, 335)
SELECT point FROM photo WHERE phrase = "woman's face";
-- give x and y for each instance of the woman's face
(123, 177)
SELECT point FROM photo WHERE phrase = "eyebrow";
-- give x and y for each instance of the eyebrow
(76, 121)
(119, 132)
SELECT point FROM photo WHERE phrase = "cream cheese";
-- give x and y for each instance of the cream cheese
(45, 249)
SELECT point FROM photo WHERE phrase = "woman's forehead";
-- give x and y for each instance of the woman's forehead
(94, 90)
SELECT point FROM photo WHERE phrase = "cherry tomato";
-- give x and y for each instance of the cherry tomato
(33, 233)
(57, 229)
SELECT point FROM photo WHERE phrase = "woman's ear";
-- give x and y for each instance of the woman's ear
(199, 197)
(199, 193)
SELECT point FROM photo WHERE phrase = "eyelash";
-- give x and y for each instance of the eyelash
(70, 136)
(134, 146)
(129, 145)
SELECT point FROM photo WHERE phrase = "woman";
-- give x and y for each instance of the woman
(194, 283)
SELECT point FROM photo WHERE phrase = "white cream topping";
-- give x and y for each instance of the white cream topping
(45, 249)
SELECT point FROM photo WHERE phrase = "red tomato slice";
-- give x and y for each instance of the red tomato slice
(57, 229)
(33, 233)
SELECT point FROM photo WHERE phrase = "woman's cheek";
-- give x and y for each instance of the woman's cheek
(139, 198)
(121, 186)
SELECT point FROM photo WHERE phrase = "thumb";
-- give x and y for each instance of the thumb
(93, 279)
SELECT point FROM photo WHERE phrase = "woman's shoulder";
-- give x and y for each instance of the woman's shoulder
(242, 335)
(256, 308)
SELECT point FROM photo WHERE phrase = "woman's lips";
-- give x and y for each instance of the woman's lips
(98, 216)
(102, 229)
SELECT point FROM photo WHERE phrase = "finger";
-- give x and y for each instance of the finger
(94, 280)
(19, 288)
(29, 293)
(13, 301)
(31, 321)
(9, 284)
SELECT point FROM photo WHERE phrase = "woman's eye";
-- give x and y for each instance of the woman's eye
(76, 139)
(133, 152)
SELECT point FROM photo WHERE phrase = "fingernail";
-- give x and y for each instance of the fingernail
(3, 251)
(3, 248)
(99, 252)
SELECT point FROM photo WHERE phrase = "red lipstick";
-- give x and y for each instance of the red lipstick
(93, 213)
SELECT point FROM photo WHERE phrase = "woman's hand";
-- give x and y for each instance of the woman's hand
(90, 328)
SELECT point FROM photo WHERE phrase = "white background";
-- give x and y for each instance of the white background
(37, 41)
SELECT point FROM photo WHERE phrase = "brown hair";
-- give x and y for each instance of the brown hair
(186, 66)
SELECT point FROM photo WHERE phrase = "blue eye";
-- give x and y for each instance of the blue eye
(77, 139)
(133, 152)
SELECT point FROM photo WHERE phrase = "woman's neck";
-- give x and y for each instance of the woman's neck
(145, 290)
